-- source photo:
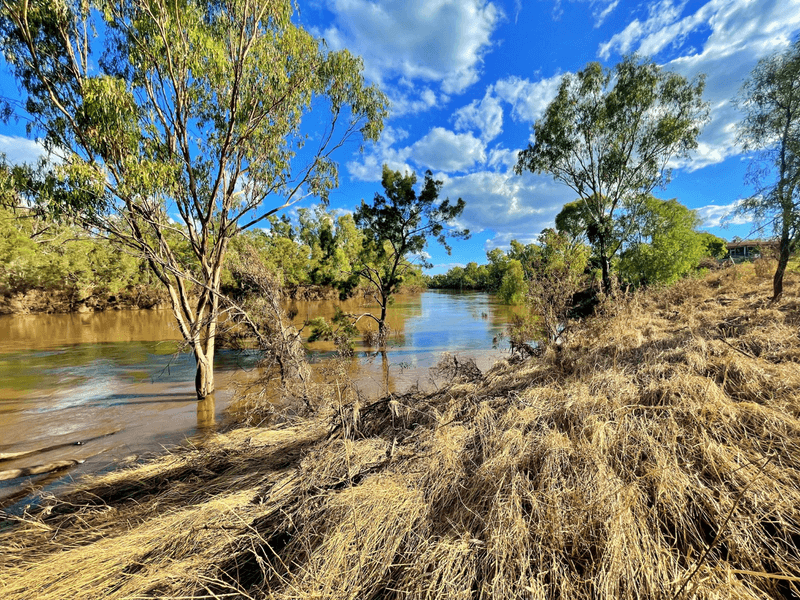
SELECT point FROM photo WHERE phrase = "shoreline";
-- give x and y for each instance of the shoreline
(657, 448)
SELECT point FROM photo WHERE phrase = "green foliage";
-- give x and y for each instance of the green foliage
(666, 246)
(558, 268)
(38, 253)
(512, 287)
(341, 330)
(335, 244)
(609, 135)
(770, 99)
(397, 228)
(496, 268)
(191, 111)
(713, 246)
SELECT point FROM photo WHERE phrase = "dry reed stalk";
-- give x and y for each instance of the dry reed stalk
(654, 453)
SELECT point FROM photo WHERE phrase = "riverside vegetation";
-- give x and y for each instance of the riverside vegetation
(653, 453)
(647, 451)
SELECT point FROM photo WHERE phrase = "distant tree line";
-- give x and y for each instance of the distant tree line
(663, 245)
(322, 248)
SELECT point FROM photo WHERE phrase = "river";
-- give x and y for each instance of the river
(114, 380)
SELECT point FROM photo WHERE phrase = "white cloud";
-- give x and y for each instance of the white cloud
(485, 115)
(444, 267)
(740, 33)
(443, 150)
(21, 150)
(370, 165)
(661, 20)
(715, 215)
(414, 102)
(600, 9)
(514, 207)
(528, 98)
(430, 40)
(503, 157)
(601, 14)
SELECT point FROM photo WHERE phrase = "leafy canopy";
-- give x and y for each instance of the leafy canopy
(609, 135)
(666, 245)
(397, 227)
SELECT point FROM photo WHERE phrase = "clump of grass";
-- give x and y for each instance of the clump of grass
(654, 453)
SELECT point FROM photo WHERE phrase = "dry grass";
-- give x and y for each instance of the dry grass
(655, 453)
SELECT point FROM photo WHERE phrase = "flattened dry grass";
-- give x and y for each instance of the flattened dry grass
(653, 454)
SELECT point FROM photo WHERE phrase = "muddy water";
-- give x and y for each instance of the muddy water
(113, 382)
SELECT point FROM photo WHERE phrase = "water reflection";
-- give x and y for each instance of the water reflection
(74, 377)
(207, 413)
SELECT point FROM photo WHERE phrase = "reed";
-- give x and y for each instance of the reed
(654, 453)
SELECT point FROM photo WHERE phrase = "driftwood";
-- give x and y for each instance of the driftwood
(4, 456)
(38, 469)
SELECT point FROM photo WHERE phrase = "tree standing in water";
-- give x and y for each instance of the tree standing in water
(397, 227)
(183, 129)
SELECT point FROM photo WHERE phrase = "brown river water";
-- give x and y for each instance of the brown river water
(109, 388)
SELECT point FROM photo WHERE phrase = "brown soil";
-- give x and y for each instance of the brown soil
(653, 454)
(65, 301)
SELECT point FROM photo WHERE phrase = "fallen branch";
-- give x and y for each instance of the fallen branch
(4, 456)
(38, 469)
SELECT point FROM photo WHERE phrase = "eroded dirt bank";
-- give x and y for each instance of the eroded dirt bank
(67, 301)
(655, 454)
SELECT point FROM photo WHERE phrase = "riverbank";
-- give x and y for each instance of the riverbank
(138, 297)
(655, 453)
(72, 301)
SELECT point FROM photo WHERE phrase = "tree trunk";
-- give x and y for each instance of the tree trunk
(385, 370)
(783, 260)
(383, 329)
(205, 342)
(606, 268)
(204, 375)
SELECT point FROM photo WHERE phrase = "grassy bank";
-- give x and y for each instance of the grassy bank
(655, 454)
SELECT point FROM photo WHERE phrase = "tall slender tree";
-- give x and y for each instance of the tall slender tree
(770, 99)
(180, 121)
(398, 225)
(609, 135)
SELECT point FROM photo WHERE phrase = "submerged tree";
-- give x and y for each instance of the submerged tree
(397, 227)
(770, 99)
(609, 135)
(182, 125)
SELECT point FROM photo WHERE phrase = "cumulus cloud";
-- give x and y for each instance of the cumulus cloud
(485, 116)
(369, 166)
(439, 41)
(514, 207)
(414, 101)
(740, 32)
(20, 150)
(527, 98)
(715, 215)
(502, 158)
(443, 150)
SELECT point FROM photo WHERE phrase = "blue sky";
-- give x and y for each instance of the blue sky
(467, 79)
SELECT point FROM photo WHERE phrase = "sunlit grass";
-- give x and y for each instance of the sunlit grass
(655, 453)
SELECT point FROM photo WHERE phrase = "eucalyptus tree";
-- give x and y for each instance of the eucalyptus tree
(396, 228)
(770, 99)
(181, 120)
(609, 135)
